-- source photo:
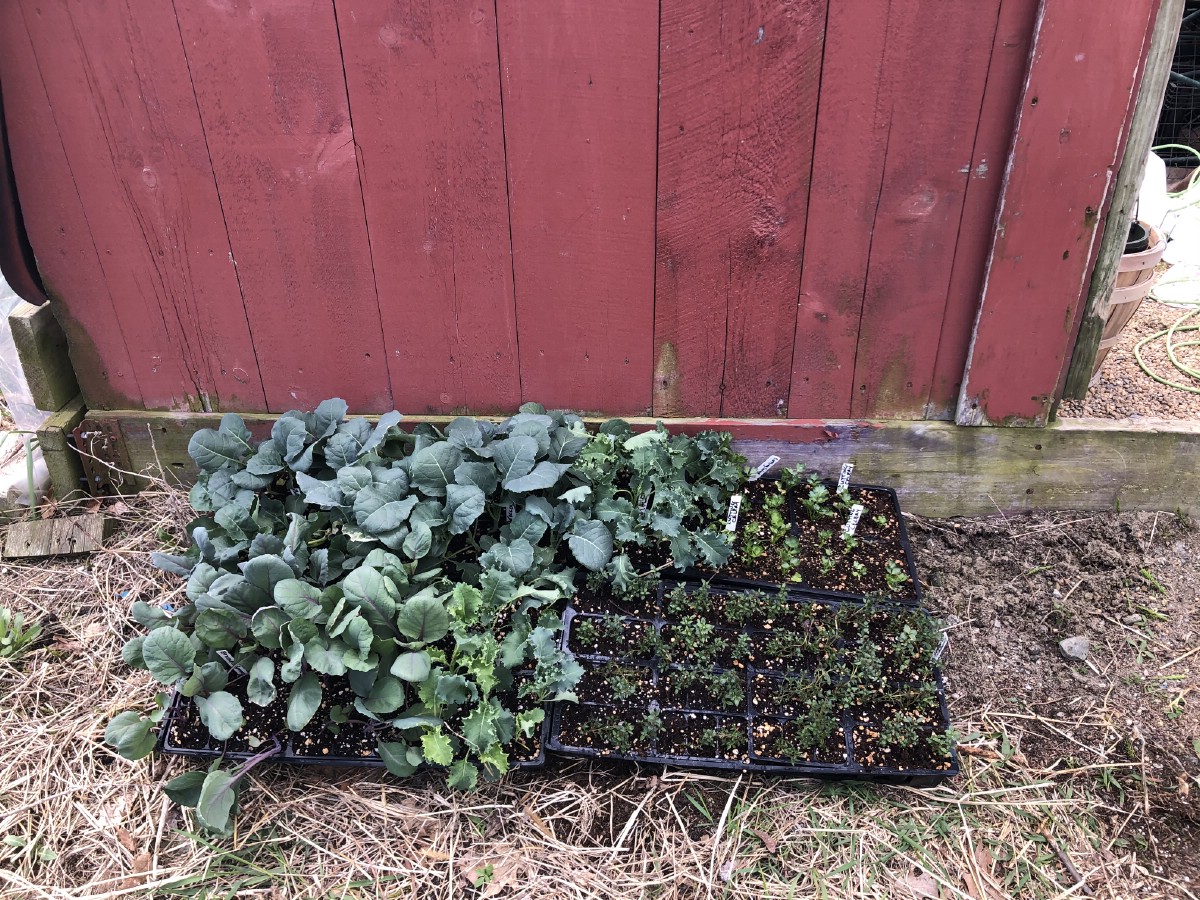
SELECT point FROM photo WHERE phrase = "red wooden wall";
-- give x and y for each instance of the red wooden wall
(738, 208)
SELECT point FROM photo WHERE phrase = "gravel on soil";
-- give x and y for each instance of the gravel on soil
(1121, 390)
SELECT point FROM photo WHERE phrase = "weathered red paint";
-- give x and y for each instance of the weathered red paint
(935, 111)
(857, 80)
(123, 106)
(1005, 79)
(424, 85)
(268, 80)
(58, 227)
(1074, 116)
(736, 120)
(580, 104)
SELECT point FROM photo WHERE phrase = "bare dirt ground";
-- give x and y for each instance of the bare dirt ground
(1079, 778)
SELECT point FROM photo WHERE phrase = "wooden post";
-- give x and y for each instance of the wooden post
(1074, 116)
(42, 350)
(1129, 181)
(54, 437)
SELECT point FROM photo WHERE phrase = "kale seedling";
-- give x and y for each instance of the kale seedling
(895, 576)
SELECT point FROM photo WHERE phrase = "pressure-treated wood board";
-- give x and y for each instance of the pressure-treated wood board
(736, 119)
(858, 75)
(57, 225)
(268, 80)
(935, 112)
(580, 82)
(122, 100)
(65, 536)
(424, 85)
(1074, 113)
(41, 349)
(939, 468)
(1005, 79)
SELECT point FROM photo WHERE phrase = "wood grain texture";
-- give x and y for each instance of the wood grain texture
(424, 85)
(1125, 197)
(1075, 112)
(1005, 78)
(57, 225)
(122, 100)
(580, 84)
(282, 150)
(64, 536)
(939, 469)
(737, 114)
(858, 74)
(935, 111)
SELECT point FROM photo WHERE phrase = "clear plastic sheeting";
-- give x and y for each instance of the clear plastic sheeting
(13, 385)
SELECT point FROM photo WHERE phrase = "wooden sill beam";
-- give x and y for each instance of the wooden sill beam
(939, 469)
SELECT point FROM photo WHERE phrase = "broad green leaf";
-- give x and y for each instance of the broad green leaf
(464, 432)
(395, 758)
(168, 655)
(479, 727)
(515, 556)
(235, 521)
(413, 666)
(266, 545)
(494, 762)
(591, 543)
(465, 504)
(453, 689)
(290, 670)
(260, 689)
(715, 548)
(432, 468)
(358, 636)
(463, 776)
(529, 720)
(325, 658)
(267, 461)
(437, 748)
(129, 733)
(131, 653)
(220, 629)
(233, 426)
(405, 723)
(185, 789)
(497, 589)
(353, 479)
(264, 572)
(418, 542)
(423, 618)
(386, 421)
(303, 701)
(215, 803)
(300, 600)
(211, 677)
(387, 695)
(465, 603)
(328, 416)
(388, 517)
(326, 494)
(544, 475)
(302, 630)
(514, 456)
(373, 595)
(211, 450)
(221, 713)
(536, 427)
(199, 581)
(266, 625)
(150, 617)
(482, 475)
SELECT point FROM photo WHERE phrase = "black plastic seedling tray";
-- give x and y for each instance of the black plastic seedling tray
(288, 754)
(911, 598)
(748, 718)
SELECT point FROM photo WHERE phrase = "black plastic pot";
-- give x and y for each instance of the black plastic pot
(1139, 238)
(909, 598)
(177, 709)
(753, 720)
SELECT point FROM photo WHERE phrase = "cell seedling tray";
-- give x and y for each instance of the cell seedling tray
(292, 753)
(911, 595)
(758, 723)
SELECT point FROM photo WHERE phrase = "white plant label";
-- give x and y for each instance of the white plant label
(227, 658)
(644, 503)
(851, 525)
(735, 507)
(844, 478)
(941, 648)
(764, 467)
(510, 512)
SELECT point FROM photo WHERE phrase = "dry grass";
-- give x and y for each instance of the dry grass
(80, 822)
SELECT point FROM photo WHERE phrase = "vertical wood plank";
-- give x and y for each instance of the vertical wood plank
(272, 94)
(424, 86)
(1075, 111)
(57, 225)
(123, 104)
(580, 86)
(736, 122)
(1006, 77)
(935, 110)
(858, 72)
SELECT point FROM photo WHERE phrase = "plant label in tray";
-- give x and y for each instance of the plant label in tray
(941, 647)
(763, 468)
(851, 525)
(227, 658)
(844, 477)
(735, 507)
